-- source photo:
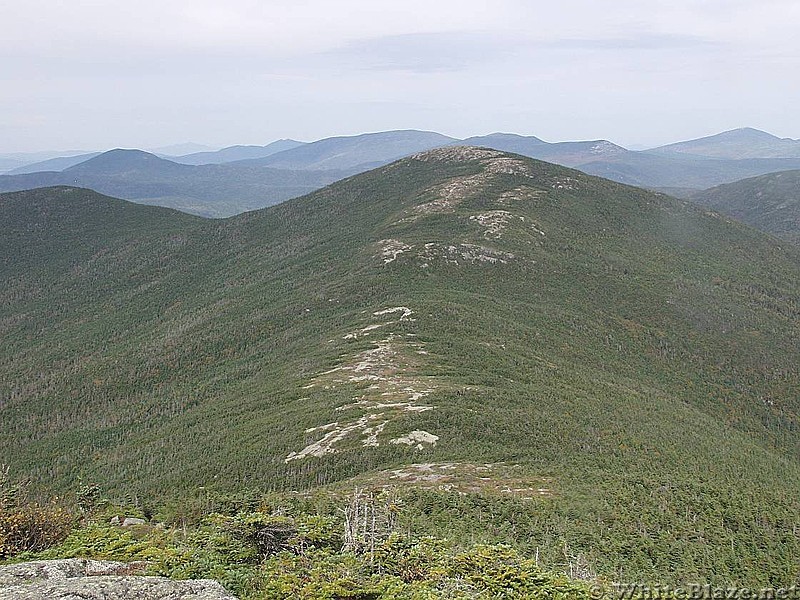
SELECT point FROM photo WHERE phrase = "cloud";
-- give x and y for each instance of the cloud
(109, 73)
(438, 52)
(639, 41)
(422, 52)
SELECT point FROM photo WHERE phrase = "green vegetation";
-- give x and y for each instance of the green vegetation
(282, 546)
(631, 355)
(770, 203)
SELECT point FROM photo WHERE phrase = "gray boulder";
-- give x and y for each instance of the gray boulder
(81, 579)
(38, 570)
(127, 521)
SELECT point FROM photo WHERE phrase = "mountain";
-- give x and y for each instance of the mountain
(592, 370)
(120, 162)
(570, 154)
(65, 223)
(8, 164)
(181, 149)
(768, 202)
(53, 164)
(671, 172)
(31, 157)
(735, 144)
(227, 182)
(234, 153)
(506, 142)
(209, 190)
(355, 152)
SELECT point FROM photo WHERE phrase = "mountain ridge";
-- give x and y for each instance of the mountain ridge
(239, 187)
(53, 164)
(742, 143)
(122, 160)
(208, 190)
(632, 354)
(605, 159)
(369, 148)
(769, 202)
(234, 153)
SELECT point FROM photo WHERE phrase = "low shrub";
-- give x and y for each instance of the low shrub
(32, 528)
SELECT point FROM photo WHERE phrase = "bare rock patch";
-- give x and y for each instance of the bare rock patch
(82, 579)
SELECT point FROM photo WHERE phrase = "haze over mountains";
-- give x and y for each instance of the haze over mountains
(635, 357)
(16, 160)
(230, 187)
(58, 163)
(241, 178)
(234, 153)
(736, 144)
(359, 152)
(210, 190)
(674, 172)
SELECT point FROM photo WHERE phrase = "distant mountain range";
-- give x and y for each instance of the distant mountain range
(234, 153)
(736, 144)
(9, 163)
(53, 164)
(240, 178)
(16, 160)
(673, 172)
(361, 152)
(680, 175)
(219, 190)
(568, 154)
(181, 149)
(208, 190)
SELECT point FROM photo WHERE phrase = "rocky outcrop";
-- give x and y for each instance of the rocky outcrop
(127, 521)
(80, 579)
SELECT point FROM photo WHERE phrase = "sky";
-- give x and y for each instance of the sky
(99, 74)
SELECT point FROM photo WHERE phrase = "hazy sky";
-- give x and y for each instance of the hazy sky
(99, 74)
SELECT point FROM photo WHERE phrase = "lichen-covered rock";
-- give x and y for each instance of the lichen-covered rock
(80, 579)
(37, 570)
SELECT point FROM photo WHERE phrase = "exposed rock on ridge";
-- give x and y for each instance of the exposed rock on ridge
(81, 579)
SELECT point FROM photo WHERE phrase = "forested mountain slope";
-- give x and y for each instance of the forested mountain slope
(631, 357)
(769, 202)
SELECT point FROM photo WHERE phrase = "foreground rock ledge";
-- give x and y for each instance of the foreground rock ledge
(80, 579)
